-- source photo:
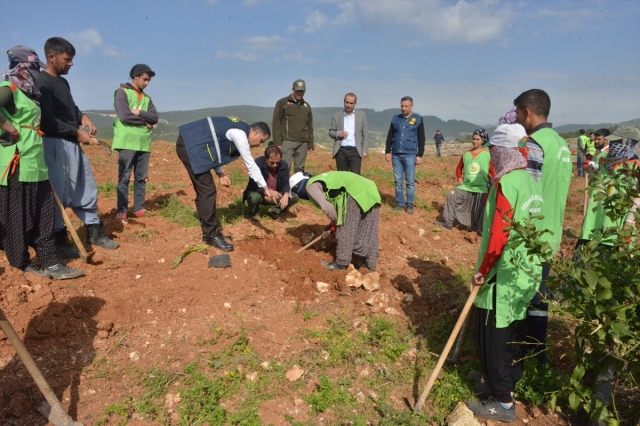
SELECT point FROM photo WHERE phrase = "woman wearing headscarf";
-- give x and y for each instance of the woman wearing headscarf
(508, 276)
(466, 202)
(352, 203)
(26, 198)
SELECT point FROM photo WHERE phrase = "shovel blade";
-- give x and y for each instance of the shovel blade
(56, 417)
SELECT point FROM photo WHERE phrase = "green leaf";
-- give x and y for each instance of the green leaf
(612, 422)
(604, 283)
(605, 294)
(591, 278)
(574, 401)
(194, 249)
(578, 372)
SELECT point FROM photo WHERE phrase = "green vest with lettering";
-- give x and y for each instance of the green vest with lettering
(29, 146)
(595, 212)
(554, 184)
(475, 173)
(136, 137)
(516, 284)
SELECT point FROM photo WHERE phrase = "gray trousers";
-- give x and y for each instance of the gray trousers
(138, 161)
(295, 153)
(72, 178)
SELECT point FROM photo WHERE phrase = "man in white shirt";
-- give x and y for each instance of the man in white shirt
(350, 131)
(210, 143)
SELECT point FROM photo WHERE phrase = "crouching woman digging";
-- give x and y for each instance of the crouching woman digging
(352, 203)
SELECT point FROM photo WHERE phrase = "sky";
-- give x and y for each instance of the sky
(458, 59)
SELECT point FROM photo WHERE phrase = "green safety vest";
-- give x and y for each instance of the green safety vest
(516, 284)
(29, 146)
(595, 213)
(362, 190)
(136, 137)
(589, 146)
(557, 169)
(585, 143)
(475, 173)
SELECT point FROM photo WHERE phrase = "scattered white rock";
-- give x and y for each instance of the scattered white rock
(168, 400)
(391, 311)
(462, 416)
(421, 232)
(265, 365)
(294, 373)
(134, 356)
(251, 377)
(371, 282)
(227, 305)
(324, 355)
(353, 278)
(403, 240)
(322, 287)
(138, 276)
(298, 402)
(525, 421)
(360, 398)
(445, 260)
(408, 298)
(435, 237)
(161, 260)
(378, 301)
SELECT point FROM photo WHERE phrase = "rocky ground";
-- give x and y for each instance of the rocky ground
(272, 330)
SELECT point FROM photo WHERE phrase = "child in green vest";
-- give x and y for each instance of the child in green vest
(132, 138)
(508, 276)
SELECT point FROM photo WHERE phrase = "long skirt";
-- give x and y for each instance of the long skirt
(465, 207)
(358, 235)
(26, 219)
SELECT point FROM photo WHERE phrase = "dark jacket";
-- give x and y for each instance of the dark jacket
(292, 121)
(283, 178)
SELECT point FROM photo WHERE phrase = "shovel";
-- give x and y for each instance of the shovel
(52, 409)
(76, 239)
(434, 375)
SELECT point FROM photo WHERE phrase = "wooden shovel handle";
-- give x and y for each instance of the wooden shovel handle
(72, 230)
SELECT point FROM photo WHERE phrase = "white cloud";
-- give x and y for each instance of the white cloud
(251, 49)
(240, 56)
(315, 21)
(88, 40)
(293, 29)
(463, 22)
(85, 41)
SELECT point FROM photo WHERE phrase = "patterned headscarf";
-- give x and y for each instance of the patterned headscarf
(621, 150)
(507, 159)
(483, 135)
(509, 117)
(22, 76)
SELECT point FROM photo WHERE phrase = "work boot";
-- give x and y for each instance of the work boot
(332, 266)
(218, 240)
(97, 237)
(63, 248)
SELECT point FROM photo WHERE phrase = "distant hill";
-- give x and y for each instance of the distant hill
(167, 128)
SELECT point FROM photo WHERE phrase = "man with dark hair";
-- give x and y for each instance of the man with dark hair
(549, 163)
(350, 131)
(275, 172)
(438, 138)
(69, 169)
(210, 143)
(405, 145)
(582, 144)
(293, 127)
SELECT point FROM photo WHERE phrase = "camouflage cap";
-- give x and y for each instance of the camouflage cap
(626, 132)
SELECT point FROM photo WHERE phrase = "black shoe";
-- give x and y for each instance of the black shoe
(35, 269)
(492, 410)
(410, 209)
(445, 225)
(218, 240)
(360, 263)
(332, 266)
(97, 237)
(63, 248)
(255, 217)
(276, 217)
(62, 272)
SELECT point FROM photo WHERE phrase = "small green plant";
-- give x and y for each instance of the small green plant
(326, 396)
(108, 188)
(309, 314)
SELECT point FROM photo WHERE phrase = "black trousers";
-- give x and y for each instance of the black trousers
(348, 159)
(537, 320)
(206, 192)
(500, 351)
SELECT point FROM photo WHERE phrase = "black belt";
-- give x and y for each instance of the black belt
(347, 147)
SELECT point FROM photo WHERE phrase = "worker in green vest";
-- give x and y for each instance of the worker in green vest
(549, 163)
(132, 139)
(509, 276)
(582, 146)
(590, 146)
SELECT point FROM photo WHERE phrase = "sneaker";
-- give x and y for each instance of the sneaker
(35, 269)
(410, 209)
(121, 217)
(140, 213)
(62, 272)
(445, 225)
(491, 409)
(398, 207)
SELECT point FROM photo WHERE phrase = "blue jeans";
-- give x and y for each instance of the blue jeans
(404, 168)
(438, 145)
